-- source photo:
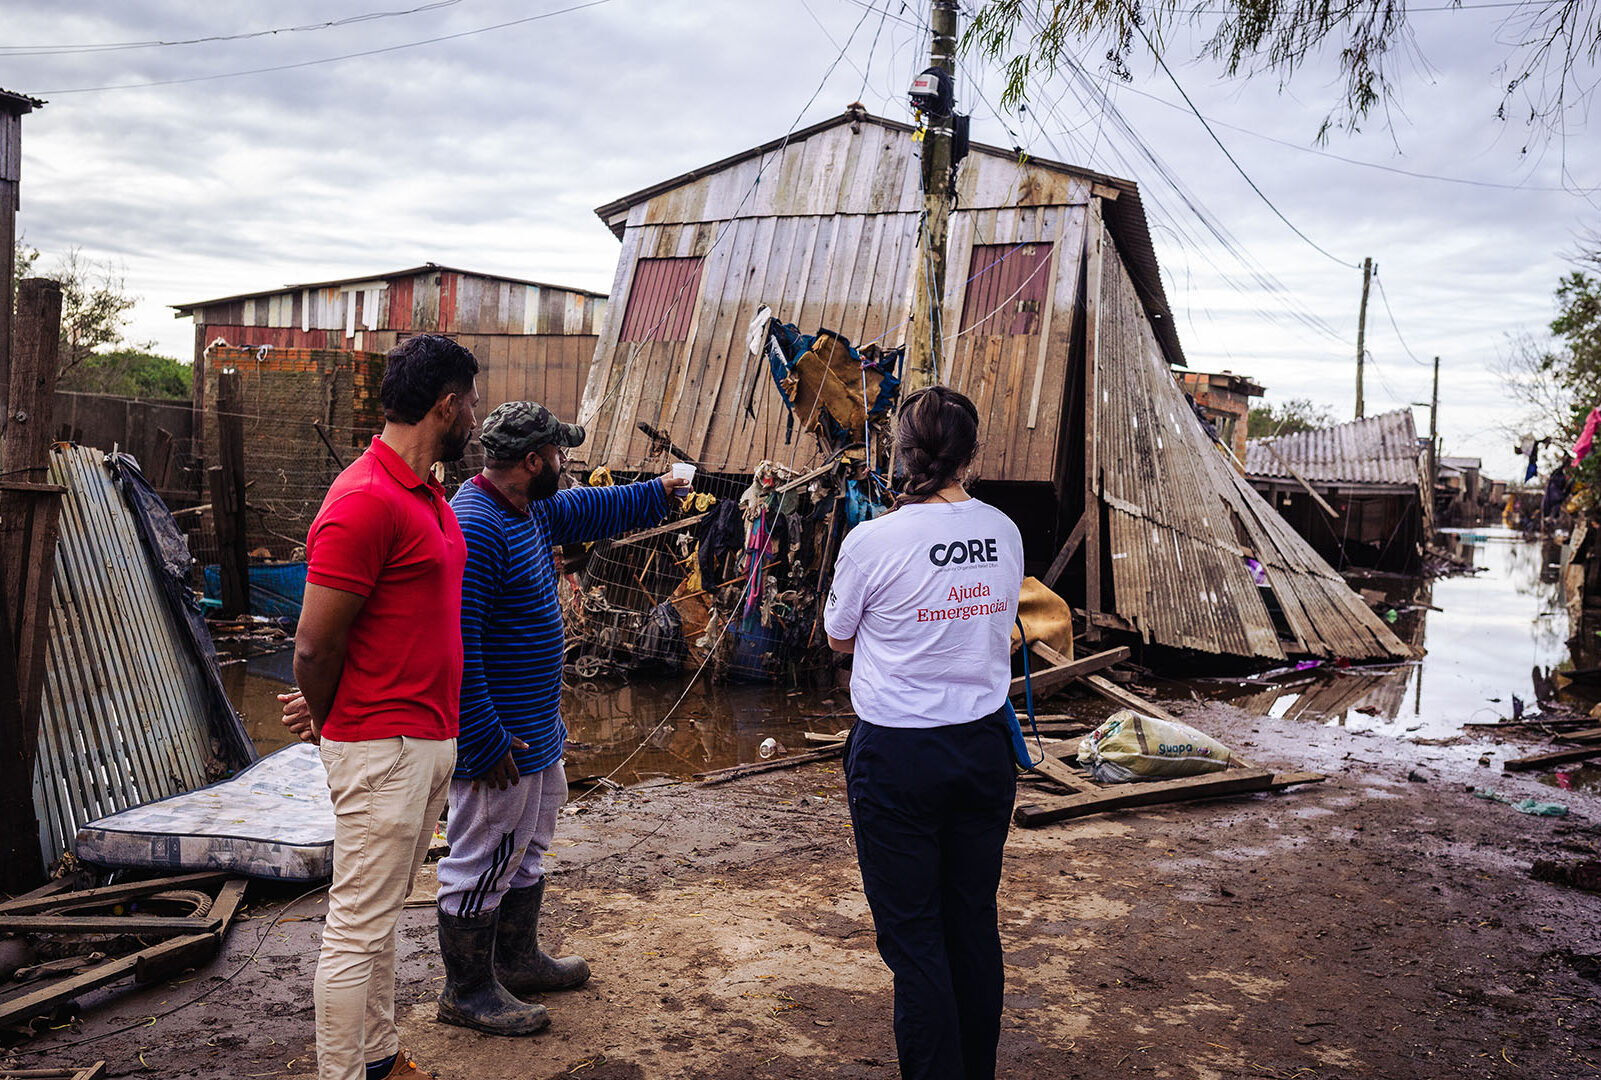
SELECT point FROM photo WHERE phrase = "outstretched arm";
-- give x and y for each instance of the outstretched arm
(581, 514)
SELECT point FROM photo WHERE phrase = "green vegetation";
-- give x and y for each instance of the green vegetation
(1544, 71)
(96, 356)
(1296, 414)
(130, 373)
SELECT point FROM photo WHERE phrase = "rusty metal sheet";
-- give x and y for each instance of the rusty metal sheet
(125, 701)
(1376, 450)
(1182, 520)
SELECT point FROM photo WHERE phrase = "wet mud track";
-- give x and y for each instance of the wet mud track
(1369, 926)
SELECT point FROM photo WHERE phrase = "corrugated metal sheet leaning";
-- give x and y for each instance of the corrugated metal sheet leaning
(1374, 450)
(133, 708)
(1182, 521)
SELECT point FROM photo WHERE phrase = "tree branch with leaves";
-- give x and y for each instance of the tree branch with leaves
(1548, 61)
(94, 313)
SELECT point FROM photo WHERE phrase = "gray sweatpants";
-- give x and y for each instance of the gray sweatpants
(498, 839)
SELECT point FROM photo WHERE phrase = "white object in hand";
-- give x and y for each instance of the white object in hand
(684, 471)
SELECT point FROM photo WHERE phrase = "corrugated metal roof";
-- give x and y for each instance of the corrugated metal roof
(1181, 521)
(13, 102)
(1125, 214)
(1461, 463)
(125, 701)
(184, 309)
(1375, 450)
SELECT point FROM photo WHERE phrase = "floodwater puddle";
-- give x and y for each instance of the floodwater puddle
(1497, 642)
(1498, 635)
(619, 731)
(655, 726)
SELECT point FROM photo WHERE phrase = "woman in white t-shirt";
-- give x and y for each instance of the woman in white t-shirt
(924, 597)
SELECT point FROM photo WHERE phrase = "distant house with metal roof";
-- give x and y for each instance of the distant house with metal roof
(1460, 492)
(1055, 323)
(533, 340)
(1224, 398)
(310, 359)
(1358, 491)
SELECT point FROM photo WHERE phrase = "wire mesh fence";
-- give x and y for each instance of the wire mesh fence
(734, 585)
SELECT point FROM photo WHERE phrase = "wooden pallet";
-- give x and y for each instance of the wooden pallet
(1086, 796)
(193, 942)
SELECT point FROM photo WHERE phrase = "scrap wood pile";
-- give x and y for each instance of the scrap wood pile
(1580, 739)
(735, 584)
(1073, 779)
(58, 944)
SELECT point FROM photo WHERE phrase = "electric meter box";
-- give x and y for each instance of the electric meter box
(933, 93)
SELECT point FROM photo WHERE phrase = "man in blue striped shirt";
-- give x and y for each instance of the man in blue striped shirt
(509, 781)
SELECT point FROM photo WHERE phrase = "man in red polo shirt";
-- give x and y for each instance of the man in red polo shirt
(378, 657)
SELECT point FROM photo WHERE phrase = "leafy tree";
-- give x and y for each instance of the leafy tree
(1296, 414)
(1548, 42)
(130, 373)
(1559, 382)
(94, 310)
(1576, 365)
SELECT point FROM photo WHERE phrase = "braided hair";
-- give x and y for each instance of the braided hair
(935, 439)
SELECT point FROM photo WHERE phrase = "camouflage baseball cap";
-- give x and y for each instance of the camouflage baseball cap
(518, 427)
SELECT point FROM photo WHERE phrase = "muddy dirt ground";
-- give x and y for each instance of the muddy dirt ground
(1380, 924)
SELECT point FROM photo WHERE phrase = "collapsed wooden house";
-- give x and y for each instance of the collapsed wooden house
(1355, 491)
(1054, 322)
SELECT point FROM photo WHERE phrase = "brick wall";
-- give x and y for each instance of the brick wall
(285, 393)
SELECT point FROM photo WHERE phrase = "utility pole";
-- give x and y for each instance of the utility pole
(924, 347)
(1434, 446)
(1361, 331)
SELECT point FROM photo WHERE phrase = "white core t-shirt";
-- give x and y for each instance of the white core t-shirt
(929, 593)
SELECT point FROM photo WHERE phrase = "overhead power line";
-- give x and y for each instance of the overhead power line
(1262, 281)
(121, 46)
(1395, 169)
(328, 59)
(1237, 167)
(1393, 326)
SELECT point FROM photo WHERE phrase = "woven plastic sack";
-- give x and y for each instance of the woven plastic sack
(1129, 746)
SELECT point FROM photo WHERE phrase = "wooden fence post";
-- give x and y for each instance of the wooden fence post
(29, 507)
(228, 496)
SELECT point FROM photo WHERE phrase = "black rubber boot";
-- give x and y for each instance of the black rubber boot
(473, 997)
(522, 968)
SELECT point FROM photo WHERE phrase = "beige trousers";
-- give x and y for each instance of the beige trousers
(387, 795)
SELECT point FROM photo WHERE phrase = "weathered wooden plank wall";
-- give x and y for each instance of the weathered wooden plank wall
(534, 341)
(828, 239)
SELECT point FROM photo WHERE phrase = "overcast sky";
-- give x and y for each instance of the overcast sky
(491, 149)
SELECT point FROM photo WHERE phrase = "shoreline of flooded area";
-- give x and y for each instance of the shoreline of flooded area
(1495, 642)
(657, 727)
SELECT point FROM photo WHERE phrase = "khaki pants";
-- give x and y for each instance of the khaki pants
(387, 795)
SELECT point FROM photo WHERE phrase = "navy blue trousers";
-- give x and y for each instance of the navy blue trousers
(930, 808)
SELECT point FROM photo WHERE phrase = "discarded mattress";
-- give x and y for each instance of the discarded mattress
(273, 820)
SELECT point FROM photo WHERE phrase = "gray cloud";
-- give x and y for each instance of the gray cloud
(490, 152)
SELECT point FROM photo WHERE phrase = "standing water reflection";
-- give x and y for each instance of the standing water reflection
(1498, 634)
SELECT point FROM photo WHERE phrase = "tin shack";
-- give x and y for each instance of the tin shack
(1356, 491)
(310, 359)
(1054, 320)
